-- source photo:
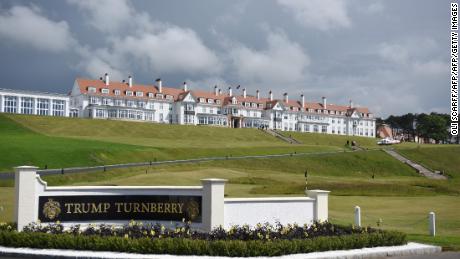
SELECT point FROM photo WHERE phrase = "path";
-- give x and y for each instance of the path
(419, 168)
(276, 134)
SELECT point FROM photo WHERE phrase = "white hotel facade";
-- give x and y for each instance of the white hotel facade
(103, 99)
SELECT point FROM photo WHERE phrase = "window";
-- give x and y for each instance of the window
(129, 93)
(315, 128)
(201, 100)
(104, 90)
(58, 108)
(218, 101)
(261, 105)
(210, 101)
(93, 100)
(10, 104)
(130, 103)
(169, 97)
(151, 95)
(159, 95)
(112, 113)
(234, 101)
(139, 94)
(27, 105)
(106, 101)
(118, 102)
(43, 106)
(91, 89)
(323, 129)
(100, 113)
(117, 92)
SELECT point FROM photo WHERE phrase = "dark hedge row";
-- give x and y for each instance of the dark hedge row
(191, 246)
(259, 232)
(187, 246)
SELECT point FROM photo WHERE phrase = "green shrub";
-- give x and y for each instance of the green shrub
(189, 246)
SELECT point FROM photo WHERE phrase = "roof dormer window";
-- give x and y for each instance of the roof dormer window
(210, 101)
(234, 101)
(202, 100)
(254, 105)
(169, 97)
(105, 91)
(91, 89)
(129, 93)
(151, 95)
(116, 92)
(246, 104)
(261, 105)
(139, 94)
(217, 101)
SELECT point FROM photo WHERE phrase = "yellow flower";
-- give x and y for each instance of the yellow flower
(126, 236)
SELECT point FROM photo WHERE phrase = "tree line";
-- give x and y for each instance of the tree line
(430, 126)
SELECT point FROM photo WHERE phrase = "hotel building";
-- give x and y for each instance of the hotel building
(104, 99)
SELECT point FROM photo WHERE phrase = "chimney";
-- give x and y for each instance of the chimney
(270, 94)
(286, 97)
(351, 104)
(220, 91)
(303, 100)
(257, 94)
(324, 103)
(160, 85)
(230, 91)
(106, 79)
(130, 81)
(244, 93)
(216, 91)
(185, 86)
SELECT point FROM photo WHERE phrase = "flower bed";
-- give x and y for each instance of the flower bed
(263, 240)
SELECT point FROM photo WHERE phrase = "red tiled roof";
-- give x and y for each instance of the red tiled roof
(83, 84)
(179, 94)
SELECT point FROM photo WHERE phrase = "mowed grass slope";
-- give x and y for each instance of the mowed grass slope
(147, 134)
(65, 142)
(445, 158)
(326, 139)
(21, 146)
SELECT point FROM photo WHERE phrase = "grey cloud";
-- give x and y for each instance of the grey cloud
(319, 14)
(26, 25)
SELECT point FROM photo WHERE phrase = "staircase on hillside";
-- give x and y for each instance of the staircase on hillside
(419, 168)
(276, 134)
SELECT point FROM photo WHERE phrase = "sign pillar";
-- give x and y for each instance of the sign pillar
(213, 203)
(25, 183)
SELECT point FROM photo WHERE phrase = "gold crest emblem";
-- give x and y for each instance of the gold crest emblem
(51, 209)
(192, 210)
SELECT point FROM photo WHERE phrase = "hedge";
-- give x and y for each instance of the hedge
(188, 246)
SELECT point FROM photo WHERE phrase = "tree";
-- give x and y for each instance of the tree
(432, 126)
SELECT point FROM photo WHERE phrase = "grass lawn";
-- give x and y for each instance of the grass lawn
(384, 187)
(326, 139)
(65, 142)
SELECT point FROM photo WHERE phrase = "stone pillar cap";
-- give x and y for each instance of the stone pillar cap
(214, 180)
(26, 168)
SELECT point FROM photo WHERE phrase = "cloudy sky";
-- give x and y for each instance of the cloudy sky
(391, 56)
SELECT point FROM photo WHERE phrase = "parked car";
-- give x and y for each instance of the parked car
(388, 141)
